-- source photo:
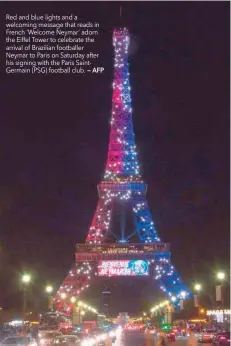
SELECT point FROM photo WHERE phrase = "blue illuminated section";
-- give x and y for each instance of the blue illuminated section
(170, 281)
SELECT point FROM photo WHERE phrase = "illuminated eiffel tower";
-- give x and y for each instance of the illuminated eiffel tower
(122, 184)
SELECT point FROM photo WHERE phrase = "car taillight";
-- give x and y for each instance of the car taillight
(222, 338)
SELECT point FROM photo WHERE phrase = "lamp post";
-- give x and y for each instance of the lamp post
(82, 313)
(197, 289)
(144, 316)
(49, 290)
(26, 279)
(219, 291)
(182, 297)
(219, 288)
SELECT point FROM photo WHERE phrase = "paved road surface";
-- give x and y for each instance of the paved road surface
(140, 339)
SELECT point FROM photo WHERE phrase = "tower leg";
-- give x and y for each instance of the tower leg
(100, 223)
(76, 281)
(144, 222)
(170, 281)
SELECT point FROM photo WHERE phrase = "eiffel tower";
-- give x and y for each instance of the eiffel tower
(121, 188)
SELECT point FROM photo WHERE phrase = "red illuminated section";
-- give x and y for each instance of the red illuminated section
(123, 268)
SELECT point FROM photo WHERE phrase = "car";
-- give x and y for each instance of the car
(43, 331)
(99, 335)
(222, 339)
(86, 338)
(19, 340)
(80, 335)
(66, 340)
(207, 336)
(46, 338)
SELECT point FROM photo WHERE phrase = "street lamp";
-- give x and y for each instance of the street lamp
(219, 289)
(220, 276)
(49, 290)
(26, 278)
(197, 287)
(182, 297)
(144, 316)
(82, 313)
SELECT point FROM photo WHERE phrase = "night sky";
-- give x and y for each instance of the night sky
(54, 134)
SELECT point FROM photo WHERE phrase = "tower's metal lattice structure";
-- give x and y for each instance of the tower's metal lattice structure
(122, 181)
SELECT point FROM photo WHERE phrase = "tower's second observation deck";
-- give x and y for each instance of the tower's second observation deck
(110, 251)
